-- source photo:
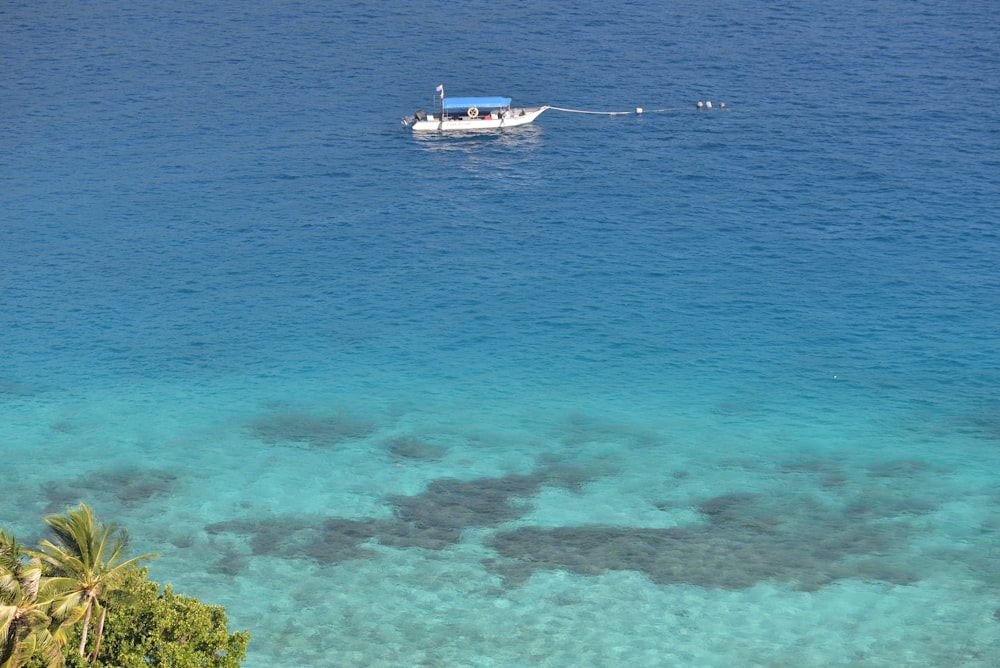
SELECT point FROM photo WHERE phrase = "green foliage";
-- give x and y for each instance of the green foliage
(87, 560)
(156, 628)
(43, 597)
(29, 623)
(147, 628)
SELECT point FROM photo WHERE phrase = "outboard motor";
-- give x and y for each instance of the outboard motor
(420, 115)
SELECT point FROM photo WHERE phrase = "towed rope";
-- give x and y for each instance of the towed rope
(601, 113)
(637, 110)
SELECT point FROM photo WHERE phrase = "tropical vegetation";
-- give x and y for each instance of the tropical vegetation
(78, 601)
(27, 621)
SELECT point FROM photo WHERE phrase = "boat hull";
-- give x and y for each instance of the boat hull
(512, 119)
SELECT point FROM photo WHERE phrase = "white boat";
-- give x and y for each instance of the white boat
(472, 113)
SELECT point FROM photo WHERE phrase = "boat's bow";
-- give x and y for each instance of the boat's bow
(531, 113)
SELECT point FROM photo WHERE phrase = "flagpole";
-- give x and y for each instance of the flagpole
(440, 91)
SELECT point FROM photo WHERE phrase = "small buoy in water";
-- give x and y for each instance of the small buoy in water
(708, 105)
(722, 105)
(638, 110)
(700, 104)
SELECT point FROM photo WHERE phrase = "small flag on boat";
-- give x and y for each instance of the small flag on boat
(440, 89)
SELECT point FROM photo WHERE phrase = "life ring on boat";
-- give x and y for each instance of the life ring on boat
(473, 112)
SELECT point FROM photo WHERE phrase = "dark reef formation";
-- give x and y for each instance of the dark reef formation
(746, 539)
(311, 430)
(126, 486)
(743, 539)
(405, 448)
(433, 519)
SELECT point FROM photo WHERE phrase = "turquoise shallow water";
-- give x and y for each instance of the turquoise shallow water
(691, 388)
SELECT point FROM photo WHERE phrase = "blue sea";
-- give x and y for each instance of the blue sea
(710, 388)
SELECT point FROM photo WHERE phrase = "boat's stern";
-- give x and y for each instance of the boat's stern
(419, 116)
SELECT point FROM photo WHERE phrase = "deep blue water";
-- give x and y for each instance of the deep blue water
(229, 270)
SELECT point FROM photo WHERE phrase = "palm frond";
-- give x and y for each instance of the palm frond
(10, 552)
(8, 613)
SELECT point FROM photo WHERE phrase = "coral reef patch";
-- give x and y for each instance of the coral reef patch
(126, 486)
(457, 504)
(747, 539)
(311, 430)
(433, 519)
(406, 447)
(743, 538)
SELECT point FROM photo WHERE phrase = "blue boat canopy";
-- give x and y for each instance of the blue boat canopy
(463, 103)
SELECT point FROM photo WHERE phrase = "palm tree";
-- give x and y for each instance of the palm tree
(88, 564)
(27, 623)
